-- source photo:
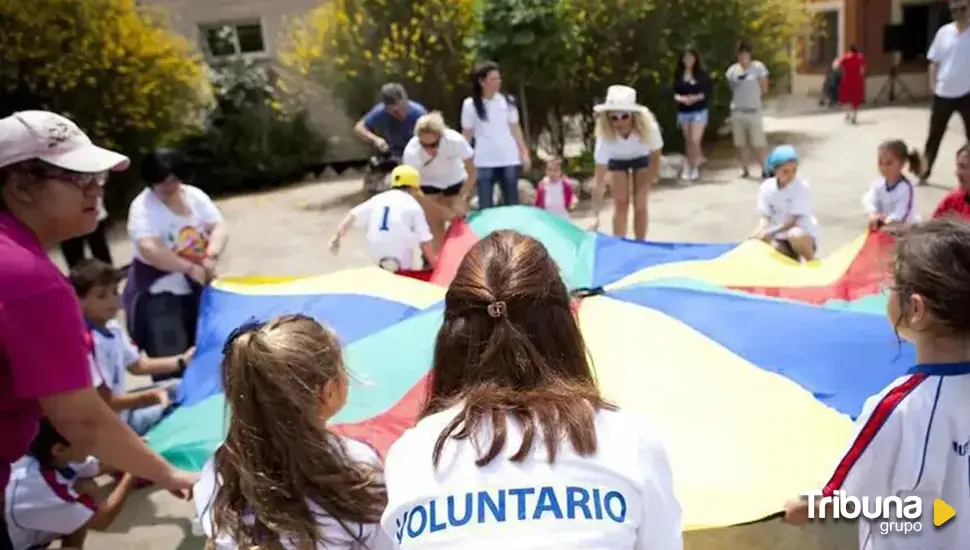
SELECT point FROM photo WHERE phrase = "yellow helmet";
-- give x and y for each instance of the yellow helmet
(406, 176)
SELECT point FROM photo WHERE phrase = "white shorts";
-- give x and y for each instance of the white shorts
(403, 255)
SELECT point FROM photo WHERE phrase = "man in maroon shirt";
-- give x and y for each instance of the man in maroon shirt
(957, 202)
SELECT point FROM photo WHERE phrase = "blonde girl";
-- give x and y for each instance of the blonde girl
(627, 156)
(282, 480)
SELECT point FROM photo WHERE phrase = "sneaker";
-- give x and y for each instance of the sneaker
(695, 174)
(685, 173)
(745, 173)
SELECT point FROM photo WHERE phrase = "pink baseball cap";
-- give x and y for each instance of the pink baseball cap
(56, 140)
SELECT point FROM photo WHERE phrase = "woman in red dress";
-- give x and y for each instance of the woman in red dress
(852, 88)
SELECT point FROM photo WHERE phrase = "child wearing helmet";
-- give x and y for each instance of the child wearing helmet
(396, 223)
(785, 206)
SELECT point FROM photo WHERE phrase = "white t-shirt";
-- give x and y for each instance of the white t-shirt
(42, 505)
(778, 205)
(620, 498)
(554, 196)
(447, 167)
(912, 439)
(396, 226)
(950, 50)
(495, 146)
(896, 203)
(331, 531)
(113, 354)
(630, 147)
(187, 236)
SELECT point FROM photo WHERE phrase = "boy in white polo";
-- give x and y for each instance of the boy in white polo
(396, 223)
(46, 500)
(913, 438)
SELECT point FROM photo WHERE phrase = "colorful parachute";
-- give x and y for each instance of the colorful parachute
(749, 365)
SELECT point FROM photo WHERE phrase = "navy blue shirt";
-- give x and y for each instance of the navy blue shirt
(700, 85)
(395, 131)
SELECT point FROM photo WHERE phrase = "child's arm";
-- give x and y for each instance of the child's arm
(539, 190)
(139, 399)
(111, 507)
(342, 228)
(145, 365)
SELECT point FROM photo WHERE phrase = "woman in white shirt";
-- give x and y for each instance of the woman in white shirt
(785, 206)
(444, 160)
(516, 448)
(491, 118)
(178, 235)
(627, 156)
(282, 480)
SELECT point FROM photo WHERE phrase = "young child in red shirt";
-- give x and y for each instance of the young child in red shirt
(957, 202)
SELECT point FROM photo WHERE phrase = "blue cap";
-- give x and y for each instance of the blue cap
(782, 154)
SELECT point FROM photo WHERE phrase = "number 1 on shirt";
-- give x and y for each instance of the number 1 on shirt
(384, 216)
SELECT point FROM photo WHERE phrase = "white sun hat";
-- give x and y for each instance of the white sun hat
(620, 98)
(56, 140)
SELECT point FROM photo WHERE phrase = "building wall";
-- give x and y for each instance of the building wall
(327, 114)
(861, 23)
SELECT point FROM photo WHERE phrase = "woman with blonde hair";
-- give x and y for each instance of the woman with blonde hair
(443, 158)
(627, 156)
(282, 480)
(515, 447)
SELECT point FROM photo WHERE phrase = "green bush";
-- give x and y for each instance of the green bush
(253, 139)
(112, 66)
(557, 56)
(353, 47)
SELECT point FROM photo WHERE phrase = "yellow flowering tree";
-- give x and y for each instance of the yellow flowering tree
(117, 70)
(354, 46)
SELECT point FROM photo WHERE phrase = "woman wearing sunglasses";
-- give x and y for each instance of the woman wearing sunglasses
(627, 156)
(51, 178)
(444, 159)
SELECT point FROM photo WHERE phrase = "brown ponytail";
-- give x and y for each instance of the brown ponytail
(910, 158)
(510, 349)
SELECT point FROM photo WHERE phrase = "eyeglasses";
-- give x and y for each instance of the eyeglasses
(619, 116)
(84, 181)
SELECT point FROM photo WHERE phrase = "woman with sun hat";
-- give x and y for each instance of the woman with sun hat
(627, 156)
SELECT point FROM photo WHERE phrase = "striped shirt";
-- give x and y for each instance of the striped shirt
(912, 439)
(895, 202)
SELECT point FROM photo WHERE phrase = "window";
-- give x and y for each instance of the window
(230, 39)
(920, 23)
(823, 44)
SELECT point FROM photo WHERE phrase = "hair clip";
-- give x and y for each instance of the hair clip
(251, 325)
(497, 309)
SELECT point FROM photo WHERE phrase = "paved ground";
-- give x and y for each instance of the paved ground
(285, 233)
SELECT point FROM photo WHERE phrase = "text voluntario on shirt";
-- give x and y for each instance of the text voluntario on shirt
(513, 504)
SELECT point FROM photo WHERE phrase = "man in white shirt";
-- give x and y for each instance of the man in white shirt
(949, 72)
(396, 223)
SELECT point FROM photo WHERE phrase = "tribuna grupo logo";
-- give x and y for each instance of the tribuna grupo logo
(893, 514)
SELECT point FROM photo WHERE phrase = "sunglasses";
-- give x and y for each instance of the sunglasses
(620, 116)
(432, 145)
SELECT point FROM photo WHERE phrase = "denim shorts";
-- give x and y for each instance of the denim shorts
(696, 116)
